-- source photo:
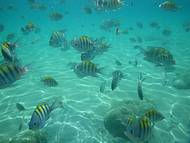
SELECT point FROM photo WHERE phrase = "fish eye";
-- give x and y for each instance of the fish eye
(34, 123)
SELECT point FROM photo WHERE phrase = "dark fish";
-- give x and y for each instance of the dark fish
(117, 76)
(166, 32)
(117, 31)
(29, 27)
(155, 25)
(87, 56)
(102, 86)
(118, 63)
(10, 36)
(9, 73)
(139, 24)
(138, 130)
(49, 81)
(1, 28)
(41, 114)
(87, 10)
(56, 16)
(83, 44)
(20, 107)
(139, 86)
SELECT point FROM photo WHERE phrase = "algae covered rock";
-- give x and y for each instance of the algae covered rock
(30, 137)
(115, 120)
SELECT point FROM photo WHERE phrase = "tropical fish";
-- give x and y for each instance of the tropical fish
(117, 76)
(160, 56)
(49, 81)
(20, 107)
(139, 86)
(89, 55)
(58, 39)
(108, 4)
(87, 68)
(138, 130)
(169, 5)
(29, 27)
(83, 44)
(41, 114)
(8, 51)
(118, 63)
(9, 73)
(154, 115)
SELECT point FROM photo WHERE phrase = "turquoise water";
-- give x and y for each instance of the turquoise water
(82, 119)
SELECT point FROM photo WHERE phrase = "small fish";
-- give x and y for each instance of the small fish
(29, 27)
(138, 130)
(87, 10)
(87, 56)
(117, 31)
(1, 28)
(139, 25)
(49, 81)
(58, 39)
(102, 86)
(169, 5)
(8, 51)
(117, 76)
(41, 114)
(83, 44)
(118, 63)
(87, 68)
(139, 86)
(154, 115)
(108, 4)
(20, 107)
(9, 73)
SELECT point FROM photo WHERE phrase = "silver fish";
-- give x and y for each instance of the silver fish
(139, 86)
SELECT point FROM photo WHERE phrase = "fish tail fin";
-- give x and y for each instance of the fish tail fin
(57, 104)
(100, 70)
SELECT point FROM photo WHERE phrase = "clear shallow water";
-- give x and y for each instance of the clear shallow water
(82, 119)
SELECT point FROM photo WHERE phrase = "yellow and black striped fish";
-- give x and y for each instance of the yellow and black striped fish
(138, 130)
(9, 73)
(83, 44)
(41, 114)
(57, 39)
(108, 4)
(7, 50)
(154, 115)
(87, 68)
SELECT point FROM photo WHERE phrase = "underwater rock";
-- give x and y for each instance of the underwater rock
(30, 137)
(115, 120)
(182, 81)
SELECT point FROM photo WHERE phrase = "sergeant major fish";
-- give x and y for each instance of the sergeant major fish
(169, 5)
(87, 68)
(8, 51)
(138, 130)
(41, 114)
(117, 76)
(154, 115)
(83, 44)
(108, 4)
(9, 73)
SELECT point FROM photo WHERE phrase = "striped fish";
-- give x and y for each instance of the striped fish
(57, 39)
(7, 50)
(9, 73)
(108, 4)
(139, 87)
(83, 44)
(41, 115)
(154, 115)
(138, 130)
(49, 81)
(87, 68)
(117, 76)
